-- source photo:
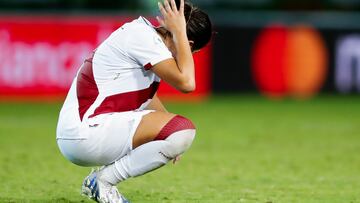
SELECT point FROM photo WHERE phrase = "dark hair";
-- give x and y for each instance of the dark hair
(198, 25)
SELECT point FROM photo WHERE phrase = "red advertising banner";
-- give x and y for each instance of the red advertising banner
(39, 55)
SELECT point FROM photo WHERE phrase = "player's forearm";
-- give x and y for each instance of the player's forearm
(174, 21)
(184, 60)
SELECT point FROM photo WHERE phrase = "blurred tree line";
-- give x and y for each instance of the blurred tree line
(151, 6)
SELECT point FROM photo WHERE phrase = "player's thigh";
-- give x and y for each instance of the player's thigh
(150, 126)
(105, 139)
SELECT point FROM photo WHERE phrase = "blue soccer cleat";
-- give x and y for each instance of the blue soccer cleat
(99, 191)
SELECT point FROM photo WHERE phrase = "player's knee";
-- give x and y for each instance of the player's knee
(180, 133)
(181, 141)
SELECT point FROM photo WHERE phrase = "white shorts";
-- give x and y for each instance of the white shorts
(104, 139)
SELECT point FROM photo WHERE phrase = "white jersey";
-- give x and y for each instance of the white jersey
(115, 78)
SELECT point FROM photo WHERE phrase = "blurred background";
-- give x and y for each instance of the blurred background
(276, 47)
(276, 107)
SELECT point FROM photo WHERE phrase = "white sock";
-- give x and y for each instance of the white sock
(148, 157)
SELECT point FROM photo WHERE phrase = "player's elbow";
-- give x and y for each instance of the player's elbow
(187, 86)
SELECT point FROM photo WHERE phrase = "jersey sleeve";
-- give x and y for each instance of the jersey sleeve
(147, 47)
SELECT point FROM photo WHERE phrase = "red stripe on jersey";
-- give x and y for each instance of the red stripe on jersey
(127, 101)
(148, 66)
(176, 124)
(86, 88)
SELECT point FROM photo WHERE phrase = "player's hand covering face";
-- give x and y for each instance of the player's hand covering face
(179, 73)
(172, 19)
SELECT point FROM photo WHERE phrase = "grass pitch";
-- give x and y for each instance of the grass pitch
(247, 149)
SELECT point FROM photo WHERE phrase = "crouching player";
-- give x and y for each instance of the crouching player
(112, 116)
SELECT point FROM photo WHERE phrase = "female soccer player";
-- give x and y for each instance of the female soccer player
(112, 116)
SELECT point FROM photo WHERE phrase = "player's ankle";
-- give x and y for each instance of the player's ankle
(107, 176)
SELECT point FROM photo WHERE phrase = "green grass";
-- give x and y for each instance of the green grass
(247, 149)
